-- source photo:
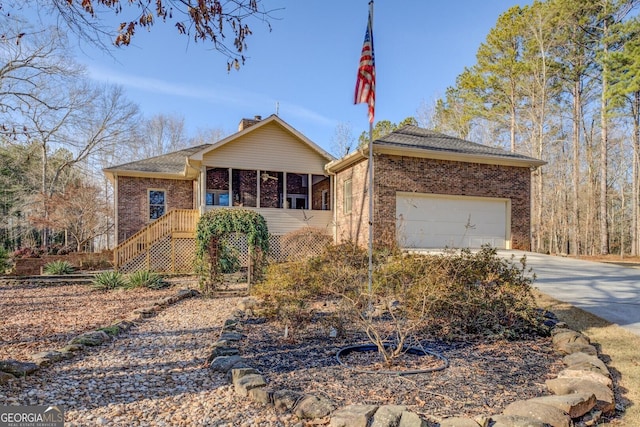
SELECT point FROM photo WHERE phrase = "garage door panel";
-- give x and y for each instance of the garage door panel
(429, 221)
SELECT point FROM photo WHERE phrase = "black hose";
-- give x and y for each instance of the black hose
(410, 350)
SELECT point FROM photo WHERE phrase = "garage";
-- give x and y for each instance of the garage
(438, 221)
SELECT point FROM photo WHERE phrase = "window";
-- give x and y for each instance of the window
(217, 198)
(217, 187)
(347, 196)
(157, 205)
(320, 192)
(297, 191)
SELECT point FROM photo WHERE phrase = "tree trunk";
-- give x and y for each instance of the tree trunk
(604, 140)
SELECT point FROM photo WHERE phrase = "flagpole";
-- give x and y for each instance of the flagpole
(370, 194)
(370, 191)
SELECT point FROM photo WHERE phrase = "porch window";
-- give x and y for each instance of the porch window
(297, 191)
(217, 187)
(244, 187)
(347, 196)
(157, 205)
(320, 192)
(271, 189)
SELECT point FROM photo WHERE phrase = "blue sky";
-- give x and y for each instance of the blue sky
(306, 65)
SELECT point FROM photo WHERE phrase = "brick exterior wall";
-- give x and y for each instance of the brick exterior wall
(133, 203)
(353, 226)
(411, 174)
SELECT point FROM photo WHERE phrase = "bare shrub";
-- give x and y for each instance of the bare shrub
(452, 295)
(306, 242)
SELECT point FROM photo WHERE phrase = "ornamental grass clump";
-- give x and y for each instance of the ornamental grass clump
(58, 267)
(145, 279)
(109, 280)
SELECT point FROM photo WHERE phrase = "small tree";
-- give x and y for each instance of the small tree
(212, 251)
(79, 211)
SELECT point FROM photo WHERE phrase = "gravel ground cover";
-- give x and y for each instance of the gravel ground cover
(482, 377)
(155, 374)
(37, 318)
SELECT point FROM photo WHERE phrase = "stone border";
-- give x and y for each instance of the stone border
(582, 392)
(11, 369)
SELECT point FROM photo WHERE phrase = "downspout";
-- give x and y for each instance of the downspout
(334, 189)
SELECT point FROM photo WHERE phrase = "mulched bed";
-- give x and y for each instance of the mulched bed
(37, 318)
(483, 376)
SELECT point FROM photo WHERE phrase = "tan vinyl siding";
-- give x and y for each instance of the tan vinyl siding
(270, 147)
(283, 221)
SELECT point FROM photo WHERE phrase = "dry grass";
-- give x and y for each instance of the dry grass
(618, 348)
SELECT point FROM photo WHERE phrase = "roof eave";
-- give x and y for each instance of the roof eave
(344, 162)
(463, 157)
(113, 173)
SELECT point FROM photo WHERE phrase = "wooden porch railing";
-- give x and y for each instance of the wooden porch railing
(176, 221)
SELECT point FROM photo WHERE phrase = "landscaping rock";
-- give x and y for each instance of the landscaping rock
(576, 347)
(538, 411)
(91, 339)
(16, 368)
(515, 421)
(605, 400)
(46, 358)
(231, 336)
(5, 377)
(388, 415)
(458, 422)
(313, 406)
(409, 419)
(236, 373)
(145, 312)
(586, 375)
(353, 416)
(261, 395)
(223, 351)
(224, 363)
(576, 404)
(71, 348)
(245, 383)
(286, 400)
(585, 362)
(570, 336)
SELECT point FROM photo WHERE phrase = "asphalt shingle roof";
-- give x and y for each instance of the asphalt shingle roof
(416, 137)
(170, 163)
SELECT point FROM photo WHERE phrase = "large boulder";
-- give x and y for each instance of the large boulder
(539, 411)
(16, 368)
(313, 406)
(605, 400)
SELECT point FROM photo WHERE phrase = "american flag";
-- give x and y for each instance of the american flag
(366, 81)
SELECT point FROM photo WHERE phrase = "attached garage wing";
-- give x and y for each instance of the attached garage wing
(437, 221)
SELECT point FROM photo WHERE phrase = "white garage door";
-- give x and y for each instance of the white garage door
(436, 221)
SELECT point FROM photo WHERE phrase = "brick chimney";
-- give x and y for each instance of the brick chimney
(245, 123)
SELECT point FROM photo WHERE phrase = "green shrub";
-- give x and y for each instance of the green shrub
(108, 280)
(146, 279)
(58, 267)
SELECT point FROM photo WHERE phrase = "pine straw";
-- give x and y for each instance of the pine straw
(483, 377)
(38, 318)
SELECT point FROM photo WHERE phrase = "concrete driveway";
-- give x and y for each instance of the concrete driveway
(609, 291)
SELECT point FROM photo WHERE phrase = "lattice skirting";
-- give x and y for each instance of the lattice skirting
(166, 256)
(178, 255)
